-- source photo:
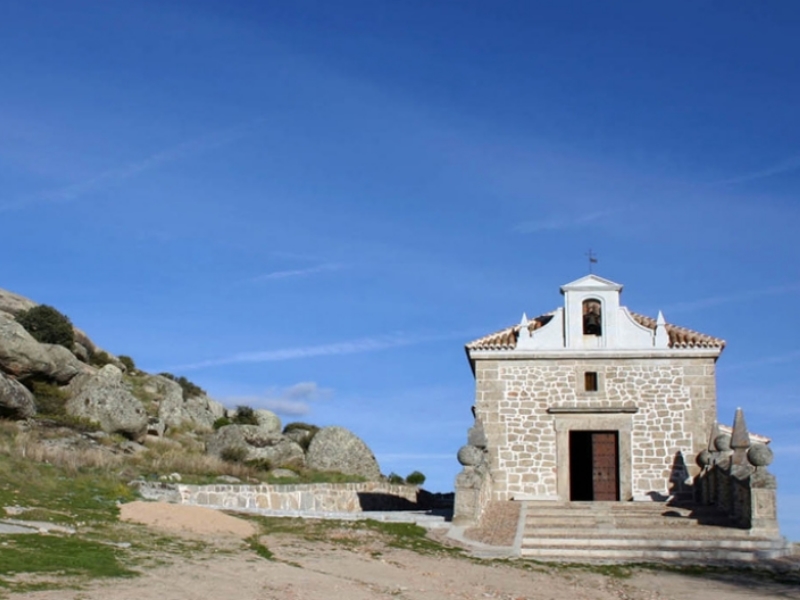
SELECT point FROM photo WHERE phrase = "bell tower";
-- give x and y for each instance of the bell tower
(591, 307)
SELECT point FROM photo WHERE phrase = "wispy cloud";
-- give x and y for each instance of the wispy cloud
(784, 166)
(294, 400)
(777, 359)
(742, 296)
(793, 450)
(357, 346)
(565, 222)
(305, 272)
(412, 456)
(198, 145)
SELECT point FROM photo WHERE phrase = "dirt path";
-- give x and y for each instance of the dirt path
(355, 565)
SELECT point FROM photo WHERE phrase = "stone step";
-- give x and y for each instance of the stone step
(638, 531)
(623, 522)
(651, 554)
(644, 508)
(639, 542)
(695, 533)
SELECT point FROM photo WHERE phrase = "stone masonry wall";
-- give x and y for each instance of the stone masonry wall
(311, 497)
(674, 400)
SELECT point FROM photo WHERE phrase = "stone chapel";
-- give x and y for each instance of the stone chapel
(592, 403)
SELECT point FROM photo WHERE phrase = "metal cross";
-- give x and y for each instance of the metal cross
(592, 259)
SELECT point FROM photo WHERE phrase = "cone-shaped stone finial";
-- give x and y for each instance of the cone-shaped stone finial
(524, 332)
(712, 437)
(740, 438)
(662, 337)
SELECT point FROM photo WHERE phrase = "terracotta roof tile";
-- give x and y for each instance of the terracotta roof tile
(679, 337)
(506, 339)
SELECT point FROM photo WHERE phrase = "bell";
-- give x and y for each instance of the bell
(592, 324)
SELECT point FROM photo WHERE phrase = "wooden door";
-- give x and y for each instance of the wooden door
(605, 479)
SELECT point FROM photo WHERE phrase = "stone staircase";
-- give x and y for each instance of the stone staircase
(639, 532)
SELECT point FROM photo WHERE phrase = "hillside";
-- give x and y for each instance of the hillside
(57, 385)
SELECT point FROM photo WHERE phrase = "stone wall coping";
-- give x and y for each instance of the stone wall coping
(598, 353)
(365, 486)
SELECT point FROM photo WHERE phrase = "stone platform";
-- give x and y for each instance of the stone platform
(639, 532)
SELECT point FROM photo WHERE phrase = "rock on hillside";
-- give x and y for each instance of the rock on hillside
(254, 443)
(337, 449)
(14, 303)
(16, 401)
(104, 398)
(174, 410)
(88, 383)
(21, 356)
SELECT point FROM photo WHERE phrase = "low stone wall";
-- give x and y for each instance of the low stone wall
(309, 497)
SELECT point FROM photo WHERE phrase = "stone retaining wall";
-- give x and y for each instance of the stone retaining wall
(308, 497)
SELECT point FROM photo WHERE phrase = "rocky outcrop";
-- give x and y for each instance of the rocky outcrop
(22, 356)
(268, 420)
(16, 401)
(169, 396)
(14, 303)
(301, 433)
(104, 398)
(203, 411)
(337, 449)
(174, 410)
(251, 442)
(137, 404)
(65, 365)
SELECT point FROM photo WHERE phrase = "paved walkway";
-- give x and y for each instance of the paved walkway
(14, 526)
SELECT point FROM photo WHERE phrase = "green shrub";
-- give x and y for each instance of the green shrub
(299, 425)
(395, 479)
(234, 454)
(245, 416)
(221, 422)
(48, 326)
(305, 441)
(81, 424)
(130, 366)
(100, 359)
(415, 478)
(190, 390)
(50, 399)
(259, 464)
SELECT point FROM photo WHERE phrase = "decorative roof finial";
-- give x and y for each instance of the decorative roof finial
(524, 332)
(592, 259)
(662, 336)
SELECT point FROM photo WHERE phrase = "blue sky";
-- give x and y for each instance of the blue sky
(312, 206)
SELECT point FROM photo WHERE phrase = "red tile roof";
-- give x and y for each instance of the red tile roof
(679, 337)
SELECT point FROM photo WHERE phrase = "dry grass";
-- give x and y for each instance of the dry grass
(165, 458)
(30, 445)
(160, 457)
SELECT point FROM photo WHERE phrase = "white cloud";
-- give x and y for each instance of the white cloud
(325, 267)
(784, 166)
(565, 222)
(209, 141)
(412, 456)
(742, 296)
(358, 346)
(294, 400)
(775, 359)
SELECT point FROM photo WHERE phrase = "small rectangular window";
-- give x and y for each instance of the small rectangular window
(590, 381)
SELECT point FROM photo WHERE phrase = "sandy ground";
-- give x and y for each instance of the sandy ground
(366, 568)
